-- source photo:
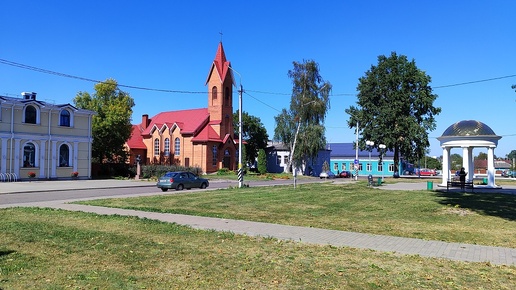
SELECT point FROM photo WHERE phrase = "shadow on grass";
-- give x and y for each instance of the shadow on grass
(5, 253)
(493, 204)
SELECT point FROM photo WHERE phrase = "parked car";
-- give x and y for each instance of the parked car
(426, 172)
(345, 174)
(181, 180)
(327, 174)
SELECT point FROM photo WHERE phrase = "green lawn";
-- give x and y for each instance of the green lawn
(55, 249)
(478, 218)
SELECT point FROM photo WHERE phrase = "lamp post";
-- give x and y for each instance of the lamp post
(370, 144)
(356, 155)
(382, 148)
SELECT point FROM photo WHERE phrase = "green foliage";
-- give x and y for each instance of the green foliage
(155, 170)
(455, 161)
(254, 134)
(111, 126)
(512, 155)
(395, 107)
(262, 161)
(225, 171)
(482, 156)
(301, 128)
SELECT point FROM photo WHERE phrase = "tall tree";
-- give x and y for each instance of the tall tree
(395, 107)
(512, 155)
(254, 134)
(301, 128)
(111, 127)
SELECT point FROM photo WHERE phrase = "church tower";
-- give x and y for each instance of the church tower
(220, 94)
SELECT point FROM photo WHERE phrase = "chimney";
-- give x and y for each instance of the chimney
(29, 95)
(145, 121)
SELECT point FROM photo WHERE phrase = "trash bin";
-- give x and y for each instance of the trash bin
(429, 185)
(379, 181)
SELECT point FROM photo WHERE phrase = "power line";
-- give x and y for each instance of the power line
(41, 70)
(28, 67)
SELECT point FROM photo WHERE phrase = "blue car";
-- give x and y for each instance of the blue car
(181, 180)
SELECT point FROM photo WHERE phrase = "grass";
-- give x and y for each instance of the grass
(475, 218)
(55, 249)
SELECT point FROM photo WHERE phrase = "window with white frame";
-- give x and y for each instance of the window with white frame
(278, 159)
(360, 166)
(391, 167)
(380, 167)
(343, 166)
(167, 147)
(64, 118)
(335, 166)
(29, 155)
(30, 115)
(369, 167)
(285, 159)
(64, 155)
(156, 147)
(177, 146)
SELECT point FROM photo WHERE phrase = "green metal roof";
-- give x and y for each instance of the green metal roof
(469, 128)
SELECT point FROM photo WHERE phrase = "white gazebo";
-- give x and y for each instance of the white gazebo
(467, 135)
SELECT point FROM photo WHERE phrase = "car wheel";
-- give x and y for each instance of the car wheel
(180, 187)
(164, 189)
(203, 185)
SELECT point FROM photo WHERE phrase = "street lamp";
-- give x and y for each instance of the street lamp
(370, 144)
(382, 148)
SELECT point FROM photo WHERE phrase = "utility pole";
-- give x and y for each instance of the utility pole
(240, 169)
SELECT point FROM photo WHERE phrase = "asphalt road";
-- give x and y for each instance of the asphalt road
(46, 192)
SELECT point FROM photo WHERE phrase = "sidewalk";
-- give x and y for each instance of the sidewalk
(58, 185)
(410, 246)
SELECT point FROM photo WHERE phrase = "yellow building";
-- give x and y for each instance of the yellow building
(43, 139)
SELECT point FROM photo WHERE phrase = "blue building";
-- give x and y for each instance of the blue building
(278, 155)
(342, 158)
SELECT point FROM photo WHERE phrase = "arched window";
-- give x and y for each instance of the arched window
(177, 147)
(214, 95)
(29, 155)
(167, 147)
(214, 158)
(64, 155)
(31, 114)
(64, 118)
(227, 100)
(156, 147)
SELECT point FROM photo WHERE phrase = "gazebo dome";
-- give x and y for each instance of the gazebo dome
(468, 128)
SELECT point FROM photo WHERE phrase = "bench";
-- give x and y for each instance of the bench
(456, 183)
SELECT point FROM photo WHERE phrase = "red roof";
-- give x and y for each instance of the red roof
(136, 140)
(207, 134)
(220, 63)
(188, 121)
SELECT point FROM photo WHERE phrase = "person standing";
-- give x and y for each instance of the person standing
(462, 178)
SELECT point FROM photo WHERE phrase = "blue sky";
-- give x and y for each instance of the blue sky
(170, 45)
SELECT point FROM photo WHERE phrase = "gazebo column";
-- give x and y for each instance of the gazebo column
(446, 165)
(467, 162)
(490, 167)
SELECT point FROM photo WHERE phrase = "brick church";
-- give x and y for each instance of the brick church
(201, 137)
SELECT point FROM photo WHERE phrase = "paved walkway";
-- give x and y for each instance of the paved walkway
(452, 251)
